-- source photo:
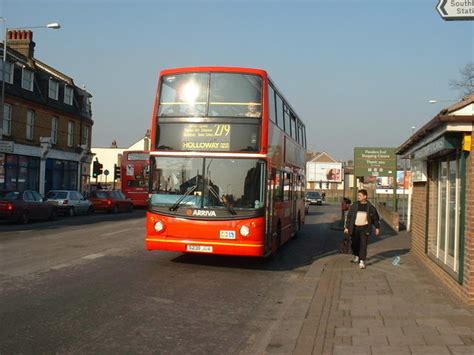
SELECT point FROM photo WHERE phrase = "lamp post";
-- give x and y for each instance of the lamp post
(438, 101)
(53, 26)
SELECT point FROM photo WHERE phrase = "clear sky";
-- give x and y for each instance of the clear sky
(358, 73)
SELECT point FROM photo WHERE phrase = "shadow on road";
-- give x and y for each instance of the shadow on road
(98, 217)
(316, 241)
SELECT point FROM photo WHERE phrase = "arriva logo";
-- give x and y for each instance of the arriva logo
(204, 213)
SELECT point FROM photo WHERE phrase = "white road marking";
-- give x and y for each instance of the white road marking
(60, 266)
(116, 232)
(93, 256)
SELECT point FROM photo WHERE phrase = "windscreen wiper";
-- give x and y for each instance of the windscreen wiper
(222, 199)
(186, 194)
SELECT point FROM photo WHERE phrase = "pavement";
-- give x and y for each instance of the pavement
(383, 309)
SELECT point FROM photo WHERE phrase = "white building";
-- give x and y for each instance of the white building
(323, 172)
(108, 157)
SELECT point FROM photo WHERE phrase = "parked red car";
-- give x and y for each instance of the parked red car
(25, 206)
(110, 201)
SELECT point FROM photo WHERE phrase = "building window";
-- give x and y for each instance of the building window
(30, 124)
(86, 136)
(68, 95)
(70, 134)
(19, 172)
(53, 89)
(446, 248)
(8, 72)
(54, 130)
(7, 119)
(89, 106)
(61, 175)
(27, 79)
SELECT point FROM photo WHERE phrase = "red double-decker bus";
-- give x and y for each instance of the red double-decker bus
(134, 175)
(227, 163)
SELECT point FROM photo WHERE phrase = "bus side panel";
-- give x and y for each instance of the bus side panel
(138, 198)
(179, 233)
(283, 215)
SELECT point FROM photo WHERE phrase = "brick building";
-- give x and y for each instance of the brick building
(442, 228)
(47, 123)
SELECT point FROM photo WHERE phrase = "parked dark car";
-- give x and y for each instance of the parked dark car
(69, 202)
(110, 201)
(314, 198)
(25, 206)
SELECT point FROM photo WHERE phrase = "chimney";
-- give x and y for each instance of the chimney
(21, 41)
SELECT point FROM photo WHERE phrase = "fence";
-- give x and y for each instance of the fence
(383, 202)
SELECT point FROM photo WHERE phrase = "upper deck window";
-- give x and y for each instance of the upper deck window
(214, 94)
(184, 95)
(235, 95)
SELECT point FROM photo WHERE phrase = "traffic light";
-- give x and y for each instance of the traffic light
(100, 171)
(116, 172)
(95, 169)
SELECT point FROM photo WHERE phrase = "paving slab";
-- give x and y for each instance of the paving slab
(461, 350)
(391, 350)
(384, 309)
(430, 350)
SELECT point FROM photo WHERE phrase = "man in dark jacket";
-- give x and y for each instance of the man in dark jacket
(358, 224)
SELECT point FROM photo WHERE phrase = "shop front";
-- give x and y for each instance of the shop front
(61, 175)
(19, 172)
(35, 168)
(442, 197)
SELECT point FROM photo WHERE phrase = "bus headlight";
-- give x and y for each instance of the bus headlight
(159, 226)
(245, 231)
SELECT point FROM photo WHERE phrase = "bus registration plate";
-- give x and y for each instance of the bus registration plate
(199, 248)
(227, 234)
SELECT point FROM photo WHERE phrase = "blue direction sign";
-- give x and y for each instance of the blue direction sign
(456, 9)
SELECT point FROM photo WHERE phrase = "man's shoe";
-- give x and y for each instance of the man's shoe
(361, 265)
(355, 260)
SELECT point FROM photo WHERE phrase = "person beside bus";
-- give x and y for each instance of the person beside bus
(358, 224)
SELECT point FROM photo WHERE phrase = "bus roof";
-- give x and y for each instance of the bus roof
(214, 69)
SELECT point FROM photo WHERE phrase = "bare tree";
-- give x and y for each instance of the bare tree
(465, 85)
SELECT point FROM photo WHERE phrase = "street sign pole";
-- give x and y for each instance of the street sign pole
(106, 173)
(395, 200)
(355, 188)
(458, 10)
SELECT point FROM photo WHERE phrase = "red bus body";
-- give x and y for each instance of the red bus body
(257, 192)
(134, 176)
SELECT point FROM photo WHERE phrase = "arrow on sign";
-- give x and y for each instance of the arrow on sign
(456, 9)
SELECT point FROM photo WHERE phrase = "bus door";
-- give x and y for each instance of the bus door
(294, 212)
(272, 184)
